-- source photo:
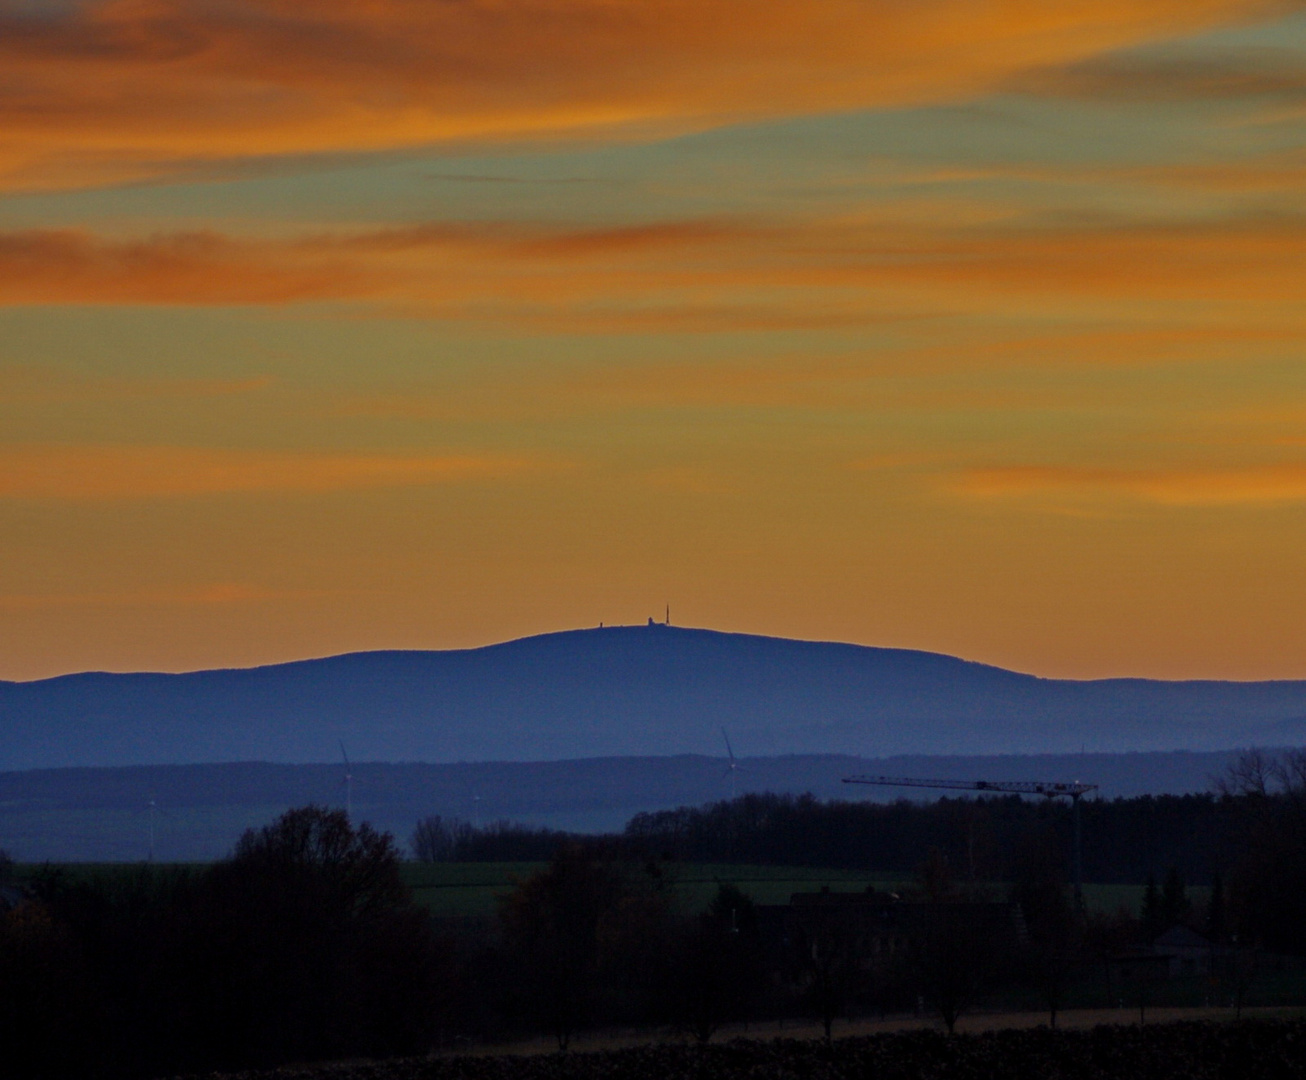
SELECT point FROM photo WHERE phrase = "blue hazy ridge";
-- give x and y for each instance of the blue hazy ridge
(624, 691)
(196, 812)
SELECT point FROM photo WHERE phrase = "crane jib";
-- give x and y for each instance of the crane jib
(1071, 789)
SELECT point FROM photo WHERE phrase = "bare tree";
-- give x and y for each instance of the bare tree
(830, 960)
(716, 965)
(1251, 774)
(438, 839)
(954, 957)
(554, 924)
(1054, 932)
(1268, 884)
(1290, 771)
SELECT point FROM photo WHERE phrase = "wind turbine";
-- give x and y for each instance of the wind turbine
(733, 768)
(348, 782)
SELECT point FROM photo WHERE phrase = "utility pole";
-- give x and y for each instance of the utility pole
(1072, 790)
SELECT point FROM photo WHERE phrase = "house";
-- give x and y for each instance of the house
(1179, 953)
(876, 931)
(1185, 952)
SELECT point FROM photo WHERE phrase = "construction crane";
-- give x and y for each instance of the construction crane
(1073, 790)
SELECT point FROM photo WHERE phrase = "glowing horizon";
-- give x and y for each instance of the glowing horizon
(221, 594)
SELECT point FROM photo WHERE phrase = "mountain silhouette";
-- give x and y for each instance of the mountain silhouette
(623, 691)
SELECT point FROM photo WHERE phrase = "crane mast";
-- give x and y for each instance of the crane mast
(1073, 790)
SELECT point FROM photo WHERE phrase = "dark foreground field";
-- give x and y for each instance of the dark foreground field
(1241, 1050)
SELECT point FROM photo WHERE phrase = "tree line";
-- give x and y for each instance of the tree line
(451, 839)
(1124, 840)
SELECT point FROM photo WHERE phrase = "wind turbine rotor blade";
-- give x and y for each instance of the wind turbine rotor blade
(729, 748)
(343, 754)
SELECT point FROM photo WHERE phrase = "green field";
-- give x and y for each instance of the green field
(473, 889)
(450, 889)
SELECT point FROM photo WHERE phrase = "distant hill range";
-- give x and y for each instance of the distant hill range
(624, 691)
(196, 812)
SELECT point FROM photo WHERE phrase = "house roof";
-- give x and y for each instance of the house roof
(1181, 937)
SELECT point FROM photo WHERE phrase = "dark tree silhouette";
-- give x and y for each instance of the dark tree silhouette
(552, 924)
(1267, 887)
(832, 976)
(1152, 913)
(441, 839)
(717, 969)
(950, 960)
(305, 944)
(1053, 927)
(1123, 839)
(437, 839)
(1175, 906)
(1217, 926)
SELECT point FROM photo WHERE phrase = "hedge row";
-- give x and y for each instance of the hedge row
(1194, 1050)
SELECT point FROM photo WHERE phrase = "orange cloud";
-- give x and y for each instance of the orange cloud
(1219, 75)
(69, 266)
(142, 472)
(220, 594)
(1222, 486)
(112, 89)
(1284, 172)
(693, 275)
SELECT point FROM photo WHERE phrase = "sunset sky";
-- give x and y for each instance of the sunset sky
(965, 325)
